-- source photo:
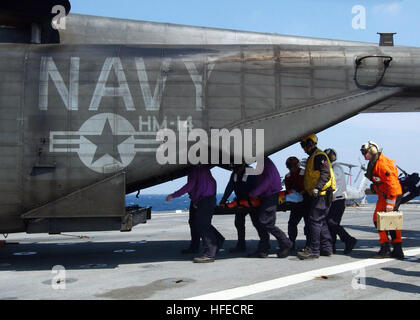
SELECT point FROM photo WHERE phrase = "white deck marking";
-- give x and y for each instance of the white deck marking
(278, 283)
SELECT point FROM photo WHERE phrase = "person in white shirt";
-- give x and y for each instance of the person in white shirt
(338, 206)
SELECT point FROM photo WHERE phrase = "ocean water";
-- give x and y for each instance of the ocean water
(158, 203)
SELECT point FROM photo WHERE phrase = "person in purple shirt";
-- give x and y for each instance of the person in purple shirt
(268, 186)
(201, 188)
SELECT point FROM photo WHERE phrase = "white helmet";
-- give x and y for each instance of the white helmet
(331, 153)
(370, 147)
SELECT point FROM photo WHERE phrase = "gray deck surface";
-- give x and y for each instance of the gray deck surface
(146, 264)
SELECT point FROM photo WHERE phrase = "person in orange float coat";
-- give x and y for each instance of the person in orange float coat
(383, 173)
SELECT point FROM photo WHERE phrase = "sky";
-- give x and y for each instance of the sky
(397, 133)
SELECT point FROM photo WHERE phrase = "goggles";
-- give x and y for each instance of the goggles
(306, 143)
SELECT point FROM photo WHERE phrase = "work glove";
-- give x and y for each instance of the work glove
(315, 193)
(389, 208)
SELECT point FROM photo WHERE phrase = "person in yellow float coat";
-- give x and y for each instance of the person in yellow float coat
(319, 183)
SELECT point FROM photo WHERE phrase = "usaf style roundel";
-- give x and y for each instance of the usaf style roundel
(106, 143)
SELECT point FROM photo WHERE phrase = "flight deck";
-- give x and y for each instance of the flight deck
(146, 263)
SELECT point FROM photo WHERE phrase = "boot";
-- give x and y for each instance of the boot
(203, 259)
(303, 255)
(384, 252)
(326, 253)
(284, 251)
(350, 245)
(397, 253)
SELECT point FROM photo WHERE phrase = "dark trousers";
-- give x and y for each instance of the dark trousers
(319, 234)
(297, 212)
(265, 224)
(334, 219)
(201, 227)
(195, 236)
(240, 227)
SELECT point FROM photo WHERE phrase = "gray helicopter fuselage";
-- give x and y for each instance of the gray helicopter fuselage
(78, 122)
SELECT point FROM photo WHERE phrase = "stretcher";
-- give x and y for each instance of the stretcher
(251, 205)
(222, 210)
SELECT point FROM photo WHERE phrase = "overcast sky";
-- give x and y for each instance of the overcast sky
(398, 134)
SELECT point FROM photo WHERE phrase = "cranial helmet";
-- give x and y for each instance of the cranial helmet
(370, 147)
(332, 155)
(310, 140)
